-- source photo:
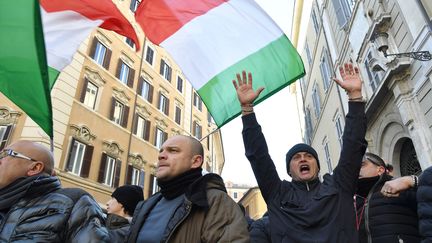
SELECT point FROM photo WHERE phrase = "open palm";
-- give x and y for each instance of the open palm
(245, 93)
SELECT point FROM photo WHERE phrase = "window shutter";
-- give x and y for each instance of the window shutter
(107, 59)
(162, 65)
(167, 107)
(135, 125)
(159, 100)
(141, 179)
(164, 136)
(194, 128)
(84, 90)
(69, 162)
(340, 14)
(131, 77)
(129, 174)
(169, 74)
(125, 116)
(119, 65)
(102, 168)
(6, 136)
(93, 47)
(140, 86)
(147, 130)
(117, 173)
(150, 96)
(113, 101)
(150, 188)
(85, 167)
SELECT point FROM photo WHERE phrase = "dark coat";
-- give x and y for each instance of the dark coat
(386, 219)
(118, 227)
(47, 214)
(221, 221)
(314, 211)
(424, 210)
(260, 230)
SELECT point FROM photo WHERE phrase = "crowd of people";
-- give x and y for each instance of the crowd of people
(359, 202)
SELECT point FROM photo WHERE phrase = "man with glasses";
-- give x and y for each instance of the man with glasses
(34, 207)
(385, 210)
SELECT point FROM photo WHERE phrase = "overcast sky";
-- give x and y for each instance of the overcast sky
(277, 116)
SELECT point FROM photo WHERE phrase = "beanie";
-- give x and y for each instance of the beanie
(300, 147)
(128, 196)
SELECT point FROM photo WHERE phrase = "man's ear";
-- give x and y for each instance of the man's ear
(381, 170)
(197, 161)
(35, 168)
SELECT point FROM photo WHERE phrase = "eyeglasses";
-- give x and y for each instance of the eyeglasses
(10, 152)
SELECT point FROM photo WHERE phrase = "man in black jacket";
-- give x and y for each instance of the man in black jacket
(385, 213)
(306, 210)
(34, 207)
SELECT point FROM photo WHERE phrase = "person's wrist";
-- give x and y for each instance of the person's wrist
(247, 109)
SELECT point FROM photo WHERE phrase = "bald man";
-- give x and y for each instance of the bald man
(190, 207)
(34, 207)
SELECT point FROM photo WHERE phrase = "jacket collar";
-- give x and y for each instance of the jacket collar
(307, 185)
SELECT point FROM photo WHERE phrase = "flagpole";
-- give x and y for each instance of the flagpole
(134, 106)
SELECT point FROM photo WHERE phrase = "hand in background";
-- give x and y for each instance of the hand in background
(245, 93)
(351, 81)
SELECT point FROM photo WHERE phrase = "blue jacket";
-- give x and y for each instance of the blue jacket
(313, 211)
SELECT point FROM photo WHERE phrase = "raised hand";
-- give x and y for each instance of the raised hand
(351, 81)
(394, 187)
(245, 93)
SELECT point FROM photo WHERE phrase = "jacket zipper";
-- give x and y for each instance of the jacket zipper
(307, 186)
(368, 233)
(188, 208)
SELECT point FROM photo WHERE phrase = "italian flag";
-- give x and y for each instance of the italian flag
(212, 40)
(34, 49)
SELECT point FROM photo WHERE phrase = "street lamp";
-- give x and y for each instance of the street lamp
(381, 40)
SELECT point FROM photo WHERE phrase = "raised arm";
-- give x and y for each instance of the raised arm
(255, 144)
(354, 144)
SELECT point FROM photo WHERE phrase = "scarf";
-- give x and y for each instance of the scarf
(26, 187)
(178, 185)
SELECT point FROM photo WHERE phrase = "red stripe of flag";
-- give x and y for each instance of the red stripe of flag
(104, 10)
(161, 18)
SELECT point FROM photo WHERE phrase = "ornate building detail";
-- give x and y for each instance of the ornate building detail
(126, 59)
(7, 116)
(143, 111)
(82, 133)
(103, 38)
(137, 160)
(94, 76)
(160, 122)
(112, 148)
(175, 131)
(120, 95)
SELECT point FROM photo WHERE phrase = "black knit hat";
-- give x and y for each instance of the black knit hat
(300, 147)
(128, 196)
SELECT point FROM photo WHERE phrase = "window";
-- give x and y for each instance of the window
(119, 113)
(339, 130)
(316, 101)
(308, 54)
(79, 160)
(163, 104)
(109, 171)
(4, 135)
(153, 185)
(235, 195)
(100, 53)
(197, 101)
(178, 115)
(343, 10)
(196, 130)
(160, 137)
(149, 55)
(209, 117)
(125, 73)
(145, 89)
(315, 22)
(130, 42)
(134, 5)
(309, 128)
(180, 84)
(327, 155)
(142, 128)
(89, 94)
(165, 70)
(135, 176)
(374, 76)
(325, 70)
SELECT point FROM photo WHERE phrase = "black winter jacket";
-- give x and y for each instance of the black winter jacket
(47, 214)
(314, 211)
(424, 210)
(118, 227)
(386, 219)
(260, 230)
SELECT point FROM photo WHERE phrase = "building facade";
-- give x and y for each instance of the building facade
(235, 190)
(113, 107)
(397, 88)
(253, 203)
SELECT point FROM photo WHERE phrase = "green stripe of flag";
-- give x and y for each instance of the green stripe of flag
(275, 66)
(23, 65)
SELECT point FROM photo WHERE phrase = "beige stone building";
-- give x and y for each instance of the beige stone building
(397, 88)
(254, 203)
(235, 190)
(113, 108)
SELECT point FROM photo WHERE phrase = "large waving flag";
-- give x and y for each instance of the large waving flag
(66, 23)
(23, 66)
(212, 40)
